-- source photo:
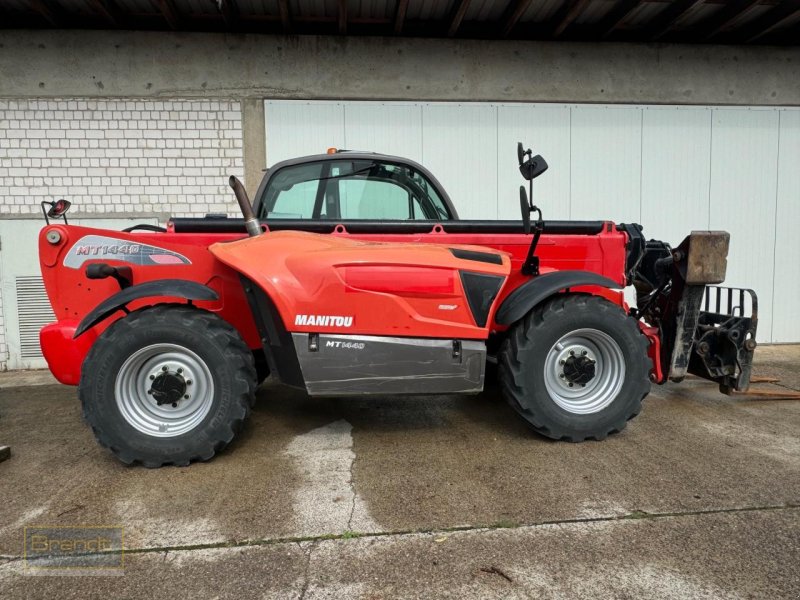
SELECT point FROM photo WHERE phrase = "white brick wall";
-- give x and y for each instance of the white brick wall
(170, 156)
(118, 156)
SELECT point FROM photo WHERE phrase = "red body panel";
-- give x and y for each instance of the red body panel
(63, 353)
(309, 274)
(401, 297)
(654, 351)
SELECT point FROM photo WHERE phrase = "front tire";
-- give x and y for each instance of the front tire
(168, 384)
(576, 367)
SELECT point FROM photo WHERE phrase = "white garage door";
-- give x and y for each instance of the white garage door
(670, 168)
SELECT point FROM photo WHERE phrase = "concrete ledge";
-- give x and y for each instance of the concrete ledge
(155, 64)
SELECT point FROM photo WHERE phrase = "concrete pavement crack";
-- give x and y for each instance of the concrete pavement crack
(635, 515)
(353, 492)
(307, 571)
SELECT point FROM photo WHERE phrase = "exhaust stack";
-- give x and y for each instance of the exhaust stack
(250, 221)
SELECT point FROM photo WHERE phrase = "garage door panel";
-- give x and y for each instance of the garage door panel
(786, 324)
(606, 162)
(384, 127)
(460, 147)
(544, 129)
(673, 169)
(676, 150)
(300, 128)
(744, 163)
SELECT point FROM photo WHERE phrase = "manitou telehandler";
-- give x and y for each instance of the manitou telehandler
(352, 274)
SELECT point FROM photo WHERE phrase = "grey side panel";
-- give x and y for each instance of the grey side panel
(356, 365)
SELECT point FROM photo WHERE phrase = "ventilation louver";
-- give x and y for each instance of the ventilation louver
(33, 312)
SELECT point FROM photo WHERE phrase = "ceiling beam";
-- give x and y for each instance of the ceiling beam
(564, 17)
(514, 12)
(615, 17)
(788, 36)
(286, 17)
(170, 13)
(44, 9)
(400, 16)
(717, 22)
(342, 17)
(667, 18)
(771, 19)
(108, 10)
(458, 16)
(230, 12)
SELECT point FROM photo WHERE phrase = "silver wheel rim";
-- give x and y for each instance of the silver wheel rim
(600, 390)
(141, 410)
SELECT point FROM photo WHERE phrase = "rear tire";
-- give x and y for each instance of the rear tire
(585, 341)
(168, 384)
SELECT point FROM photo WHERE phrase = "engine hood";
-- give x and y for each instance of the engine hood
(326, 283)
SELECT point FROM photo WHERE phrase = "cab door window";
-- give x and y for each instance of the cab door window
(292, 192)
(371, 195)
(361, 189)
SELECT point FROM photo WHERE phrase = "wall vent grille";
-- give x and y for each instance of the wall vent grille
(33, 312)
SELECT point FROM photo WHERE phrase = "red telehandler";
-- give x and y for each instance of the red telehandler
(352, 274)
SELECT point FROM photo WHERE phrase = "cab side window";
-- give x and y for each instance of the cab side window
(369, 199)
(362, 189)
(292, 192)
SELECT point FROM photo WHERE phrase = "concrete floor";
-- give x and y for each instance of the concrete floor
(428, 496)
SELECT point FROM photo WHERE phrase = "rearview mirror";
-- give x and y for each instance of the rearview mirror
(58, 208)
(520, 153)
(533, 167)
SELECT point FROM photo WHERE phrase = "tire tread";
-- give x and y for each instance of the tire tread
(521, 340)
(238, 357)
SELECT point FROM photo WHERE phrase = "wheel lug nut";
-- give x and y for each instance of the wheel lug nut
(186, 396)
(572, 352)
(583, 353)
(174, 405)
(149, 392)
(164, 368)
(561, 375)
(188, 382)
(152, 377)
(571, 384)
(563, 362)
(181, 370)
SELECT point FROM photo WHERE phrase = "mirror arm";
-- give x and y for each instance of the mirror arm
(531, 264)
(530, 195)
(532, 170)
(44, 211)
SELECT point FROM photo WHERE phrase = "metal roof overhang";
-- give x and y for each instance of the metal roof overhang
(680, 21)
